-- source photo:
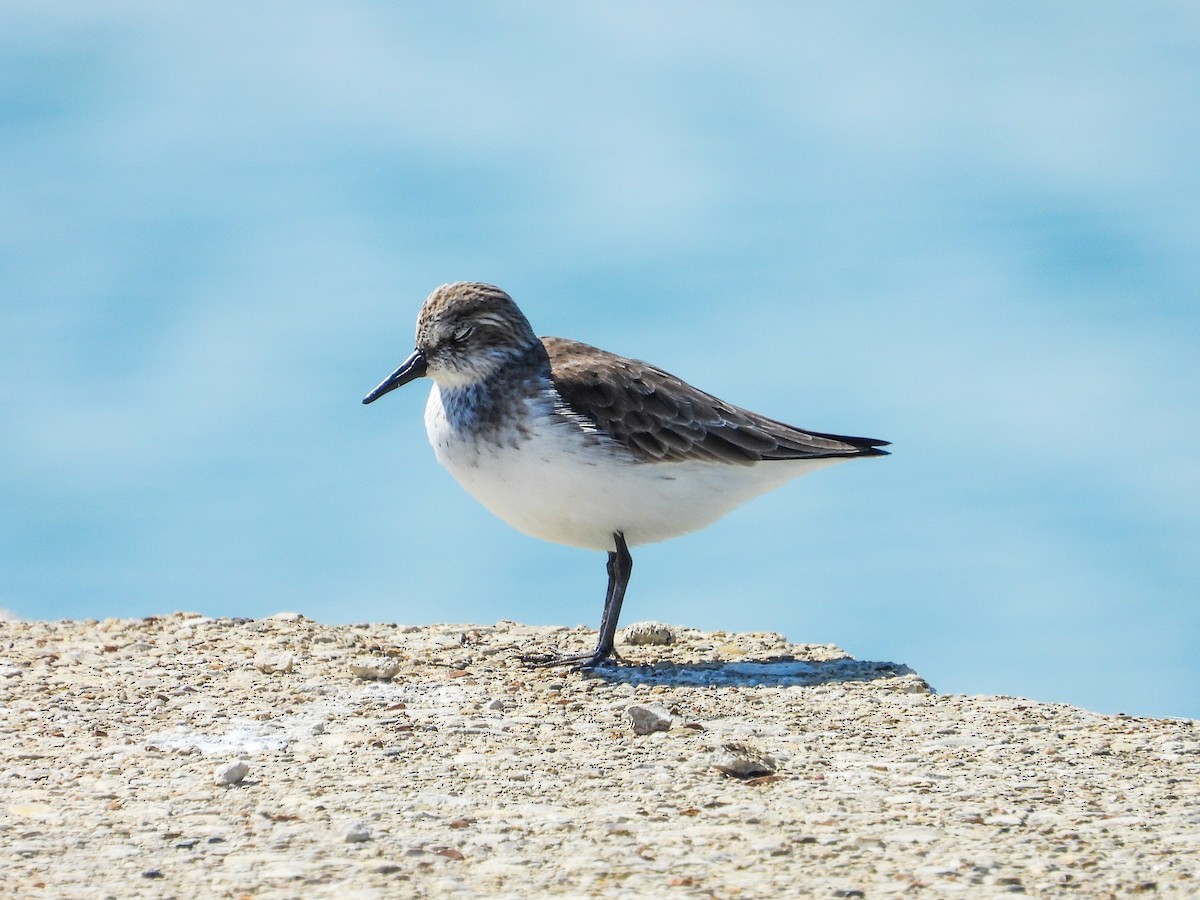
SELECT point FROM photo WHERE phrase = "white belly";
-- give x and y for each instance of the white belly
(559, 486)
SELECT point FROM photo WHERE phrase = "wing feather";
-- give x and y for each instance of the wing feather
(661, 418)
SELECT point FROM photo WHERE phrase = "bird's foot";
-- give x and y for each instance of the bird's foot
(574, 661)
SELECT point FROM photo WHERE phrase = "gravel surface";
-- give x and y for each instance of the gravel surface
(182, 756)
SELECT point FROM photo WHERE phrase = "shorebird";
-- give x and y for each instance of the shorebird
(576, 445)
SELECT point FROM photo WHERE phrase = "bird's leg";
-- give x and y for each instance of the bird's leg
(620, 567)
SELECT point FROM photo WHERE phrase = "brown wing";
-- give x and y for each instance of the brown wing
(662, 418)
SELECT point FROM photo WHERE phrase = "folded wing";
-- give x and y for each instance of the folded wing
(661, 418)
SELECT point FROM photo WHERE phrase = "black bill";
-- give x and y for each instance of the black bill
(410, 370)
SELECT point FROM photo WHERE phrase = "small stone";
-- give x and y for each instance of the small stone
(649, 634)
(231, 773)
(274, 662)
(496, 705)
(648, 719)
(741, 760)
(913, 684)
(375, 668)
(356, 833)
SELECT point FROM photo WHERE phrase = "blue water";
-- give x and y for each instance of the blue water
(971, 230)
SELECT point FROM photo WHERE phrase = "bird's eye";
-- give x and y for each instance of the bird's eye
(461, 333)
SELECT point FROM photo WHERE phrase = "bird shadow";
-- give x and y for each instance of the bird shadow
(773, 671)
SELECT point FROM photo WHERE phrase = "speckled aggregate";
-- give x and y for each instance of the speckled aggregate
(393, 761)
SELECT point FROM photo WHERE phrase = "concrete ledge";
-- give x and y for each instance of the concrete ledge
(385, 760)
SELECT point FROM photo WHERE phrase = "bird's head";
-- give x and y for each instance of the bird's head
(465, 332)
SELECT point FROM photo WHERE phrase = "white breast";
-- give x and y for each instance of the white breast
(555, 483)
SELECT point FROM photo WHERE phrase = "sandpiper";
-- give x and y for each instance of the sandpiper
(579, 446)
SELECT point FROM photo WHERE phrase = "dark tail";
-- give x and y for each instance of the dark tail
(864, 446)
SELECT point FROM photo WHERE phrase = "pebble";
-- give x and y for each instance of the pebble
(274, 662)
(382, 668)
(356, 833)
(231, 772)
(743, 760)
(648, 719)
(650, 634)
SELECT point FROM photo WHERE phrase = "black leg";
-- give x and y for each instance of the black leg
(620, 567)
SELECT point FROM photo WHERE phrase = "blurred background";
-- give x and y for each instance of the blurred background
(970, 229)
